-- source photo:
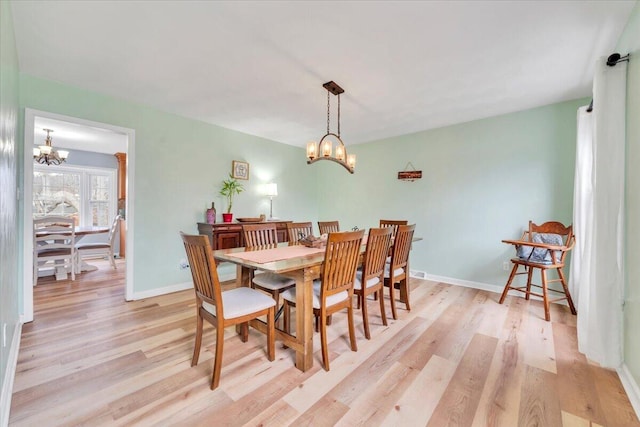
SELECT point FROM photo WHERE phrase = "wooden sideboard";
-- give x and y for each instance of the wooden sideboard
(226, 235)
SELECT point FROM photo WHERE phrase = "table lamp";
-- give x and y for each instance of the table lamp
(271, 190)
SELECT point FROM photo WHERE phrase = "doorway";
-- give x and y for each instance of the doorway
(32, 117)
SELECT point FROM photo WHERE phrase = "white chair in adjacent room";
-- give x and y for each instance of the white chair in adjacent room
(99, 248)
(54, 240)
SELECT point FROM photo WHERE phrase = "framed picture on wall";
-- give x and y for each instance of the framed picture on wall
(240, 170)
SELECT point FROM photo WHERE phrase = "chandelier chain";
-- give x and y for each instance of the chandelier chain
(328, 109)
(338, 114)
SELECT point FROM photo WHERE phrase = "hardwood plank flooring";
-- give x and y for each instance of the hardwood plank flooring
(457, 359)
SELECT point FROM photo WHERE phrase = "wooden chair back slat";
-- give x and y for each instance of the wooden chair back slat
(296, 229)
(203, 270)
(402, 246)
(375, 256)
(259, 235)
(327, 227)
(54, 232)
(393, 224)
(114, 227)
(341, 262)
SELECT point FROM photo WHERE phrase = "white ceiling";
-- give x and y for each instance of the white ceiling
(258, 67)
(79, 137)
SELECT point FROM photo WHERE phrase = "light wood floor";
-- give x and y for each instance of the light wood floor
(458, 358)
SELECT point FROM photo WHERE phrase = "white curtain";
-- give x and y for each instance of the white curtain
(597, 276)
(582, 202)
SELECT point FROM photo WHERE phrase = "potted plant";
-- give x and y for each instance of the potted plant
(230, 187)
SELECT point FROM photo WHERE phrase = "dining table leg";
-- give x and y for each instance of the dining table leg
(243, 278)
(304, 316)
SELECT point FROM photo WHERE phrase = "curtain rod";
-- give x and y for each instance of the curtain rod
(612, 60)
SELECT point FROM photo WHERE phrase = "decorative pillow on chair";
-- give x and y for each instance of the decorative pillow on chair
(539, 255)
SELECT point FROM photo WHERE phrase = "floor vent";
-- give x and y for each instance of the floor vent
(418, 274)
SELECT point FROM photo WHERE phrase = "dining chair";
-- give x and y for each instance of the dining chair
(327, 227)
(100, 248)
(54, 239)
(334, 291)
(544, 247)
(297, 230)
(396, 271)
(223, 309)
(393, 223)
(372, 273)
(260, 235)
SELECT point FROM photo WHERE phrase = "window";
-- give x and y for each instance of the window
(86, 194)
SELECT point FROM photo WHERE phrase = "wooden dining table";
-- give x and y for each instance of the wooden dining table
(297, 262)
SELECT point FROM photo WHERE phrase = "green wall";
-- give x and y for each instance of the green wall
(179, 164)
(482, 181)
(9, 283)
(630, 43)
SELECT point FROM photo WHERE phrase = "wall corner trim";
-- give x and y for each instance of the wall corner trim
(630, 386)
(7, 386)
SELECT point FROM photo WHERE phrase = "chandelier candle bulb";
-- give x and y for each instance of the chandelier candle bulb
(351, 160)
(340, 152)
(311, 150)
(326, 148)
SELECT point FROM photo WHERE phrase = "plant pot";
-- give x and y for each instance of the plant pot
(227, 217)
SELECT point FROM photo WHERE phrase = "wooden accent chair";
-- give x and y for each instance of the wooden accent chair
(256, 235)
(54, 239)
(396, 273)
(100, 248)
(372, 273)
(223, 309)
(296, 229)
(393, 224)
(327, 227)
(259, 235)
(334, 292)
(544, 247)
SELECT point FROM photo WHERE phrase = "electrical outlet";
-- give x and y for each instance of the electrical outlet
(505, 265)
(183, 264)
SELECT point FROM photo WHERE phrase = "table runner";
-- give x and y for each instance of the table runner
(276, 254)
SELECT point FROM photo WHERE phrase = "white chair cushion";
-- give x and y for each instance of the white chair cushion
(272, 281)
(397, 272)
(290, 295)
(241, 301)
(371, 282)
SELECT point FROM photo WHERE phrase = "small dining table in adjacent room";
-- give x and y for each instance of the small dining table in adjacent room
(80, 232)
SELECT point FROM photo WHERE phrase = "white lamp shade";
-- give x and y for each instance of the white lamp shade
(271, 189)
(63, 154)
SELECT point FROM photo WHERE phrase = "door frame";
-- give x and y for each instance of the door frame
(27, 218)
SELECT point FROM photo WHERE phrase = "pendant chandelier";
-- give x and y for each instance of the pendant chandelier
(323, 150)
(47, 155)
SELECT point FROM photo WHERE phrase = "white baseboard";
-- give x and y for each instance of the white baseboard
(9, 375)
(162, 291)
(631, 387)
(465, 283)
(176, 288)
